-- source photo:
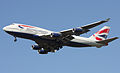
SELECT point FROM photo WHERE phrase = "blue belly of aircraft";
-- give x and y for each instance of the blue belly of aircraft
(76, 44)
(23, 35)
(37, 38)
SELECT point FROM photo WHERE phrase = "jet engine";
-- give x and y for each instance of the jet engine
(42, 51)
(77, 30)
(36, 47)
(56, 34)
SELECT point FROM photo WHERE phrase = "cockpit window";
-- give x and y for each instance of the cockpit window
(20, 26)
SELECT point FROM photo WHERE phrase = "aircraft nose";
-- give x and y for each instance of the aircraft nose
(5, 28)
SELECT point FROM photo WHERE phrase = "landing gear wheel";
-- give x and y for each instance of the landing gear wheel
(15, 39)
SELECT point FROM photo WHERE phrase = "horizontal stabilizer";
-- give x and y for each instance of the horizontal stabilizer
(107, 40)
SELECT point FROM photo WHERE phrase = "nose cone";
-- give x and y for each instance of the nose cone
(5, 29)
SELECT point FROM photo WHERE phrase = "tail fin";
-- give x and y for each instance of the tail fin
(101, 34)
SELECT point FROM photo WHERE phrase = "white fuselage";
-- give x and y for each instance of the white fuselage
(31, 32)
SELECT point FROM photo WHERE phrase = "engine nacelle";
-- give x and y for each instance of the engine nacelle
(56, 34)
(42, 51)
(76, 30)
(53, 51)
(36, 47)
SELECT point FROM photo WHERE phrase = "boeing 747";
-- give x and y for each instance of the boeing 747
(49, 41)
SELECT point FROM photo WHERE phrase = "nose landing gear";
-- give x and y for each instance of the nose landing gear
(15, 39)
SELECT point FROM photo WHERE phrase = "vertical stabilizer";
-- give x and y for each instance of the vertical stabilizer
(101, 34)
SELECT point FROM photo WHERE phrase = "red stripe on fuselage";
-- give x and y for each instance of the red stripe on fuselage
(27, 26)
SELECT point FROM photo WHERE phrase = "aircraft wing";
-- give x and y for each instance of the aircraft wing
(80, 30)
(66, 34)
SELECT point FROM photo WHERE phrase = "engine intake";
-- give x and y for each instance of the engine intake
(36, 47)
(56, 34)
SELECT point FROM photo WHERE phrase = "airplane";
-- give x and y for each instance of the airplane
(49, 41)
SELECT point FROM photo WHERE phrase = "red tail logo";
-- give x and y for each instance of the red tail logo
(100, 32)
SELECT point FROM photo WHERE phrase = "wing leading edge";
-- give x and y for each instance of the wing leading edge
(84, 28)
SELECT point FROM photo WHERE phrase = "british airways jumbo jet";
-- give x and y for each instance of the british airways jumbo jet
(49, 41)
